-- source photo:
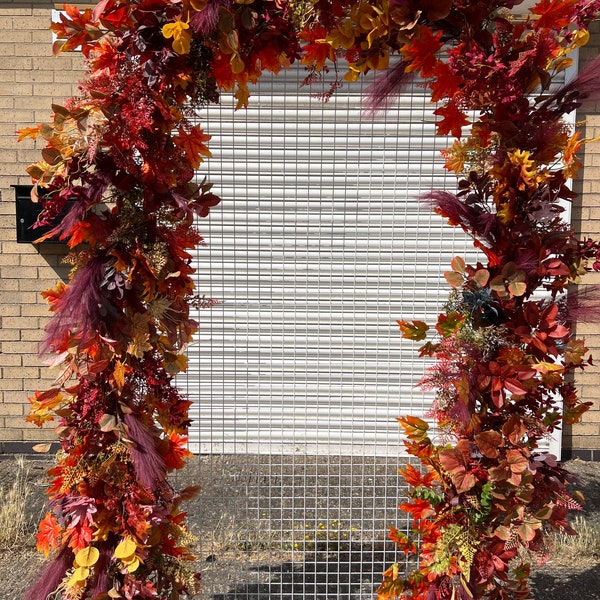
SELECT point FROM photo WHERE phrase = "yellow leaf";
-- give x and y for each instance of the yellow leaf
(173, 30)
(80, 574)
(87, 557)
(29, 132)
(132, 565)
(178, 30)
(242, 95)
(182, 43)
(546, 367)
(126, 549)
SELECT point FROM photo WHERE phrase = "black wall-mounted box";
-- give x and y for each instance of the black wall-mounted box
(27, 214)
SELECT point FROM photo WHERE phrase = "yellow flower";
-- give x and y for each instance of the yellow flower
(178, 30)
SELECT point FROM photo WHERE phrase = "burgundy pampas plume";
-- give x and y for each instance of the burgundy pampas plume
(451, 207)
(583, 92)
(583, 306)
(149, 465)
(83, 309)
(51, 575)
(101, 583)
(382, 93)
(204, 21)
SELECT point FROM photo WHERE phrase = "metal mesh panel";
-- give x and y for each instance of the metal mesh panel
(297, 377)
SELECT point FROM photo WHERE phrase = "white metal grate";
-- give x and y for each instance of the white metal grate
(297, 377)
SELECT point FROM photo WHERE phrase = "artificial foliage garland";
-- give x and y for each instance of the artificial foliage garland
(121, 159)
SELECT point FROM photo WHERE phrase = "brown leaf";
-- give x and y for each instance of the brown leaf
(489, 443)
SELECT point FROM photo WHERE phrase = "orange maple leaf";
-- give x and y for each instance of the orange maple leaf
(453, 120)
(192, 143)
(175, 451)
(48, 534)
(420, 509)
(415, 478)
(317, 51)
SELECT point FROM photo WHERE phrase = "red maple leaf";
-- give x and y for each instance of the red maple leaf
(554, 14)
(421, 51)
(444, 83)
(420, 509)
(317, 52)
(75, 29)
(79, 536)
(453, 120)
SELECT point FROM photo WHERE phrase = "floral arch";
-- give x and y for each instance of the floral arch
(121, 158)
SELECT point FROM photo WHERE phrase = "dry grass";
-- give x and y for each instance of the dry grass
(579, 551)
(232, 538)
(15, 525)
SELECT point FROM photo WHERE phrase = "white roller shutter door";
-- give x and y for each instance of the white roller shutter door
(319, 245)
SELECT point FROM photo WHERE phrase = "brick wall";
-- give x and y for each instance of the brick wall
(583, 440)
(31, 78)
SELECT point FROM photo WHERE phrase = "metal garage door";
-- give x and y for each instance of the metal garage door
(319, 245)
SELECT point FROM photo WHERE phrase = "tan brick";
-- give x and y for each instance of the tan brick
(7, 51)
(11, 360)
(22, 38)
(11, 384)
(57, 91)
(592, 417)
(24, 372)
(40, 76)
(9, 285)
(10, 335)
(34, 310)
(11, 435)
(585, 442)
(21, 273)
(28, 285)
(27, 21)
(42, 36)
(19, 322)
(585, 429)
(32, 258)
(9, 310)
(31, 336)
(13, 410)
(20, 63)
(39, 435)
